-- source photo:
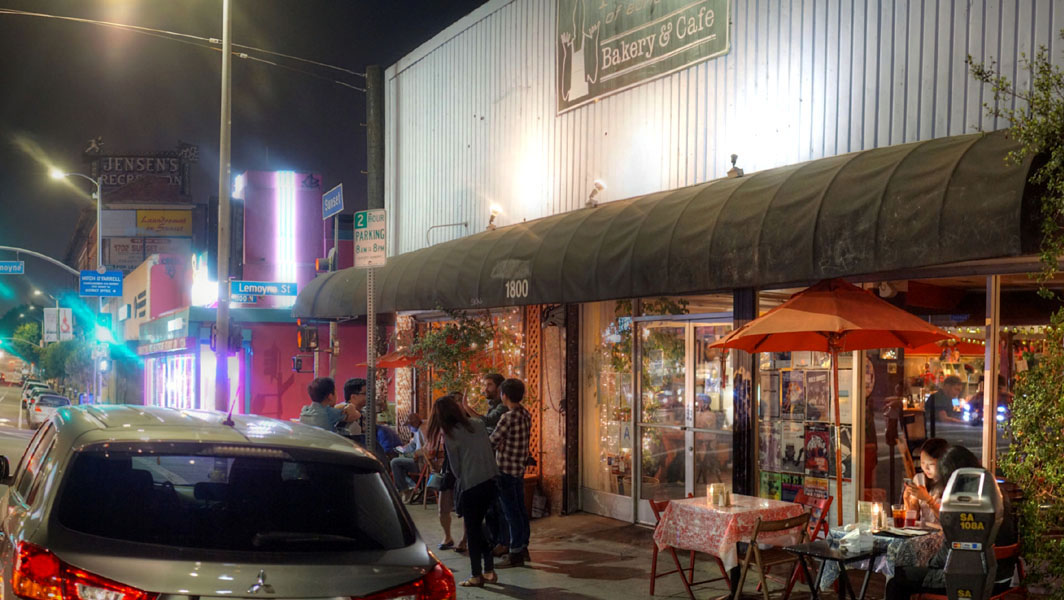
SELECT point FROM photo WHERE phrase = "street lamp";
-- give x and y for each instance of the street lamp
(40, 293)
(57, 174)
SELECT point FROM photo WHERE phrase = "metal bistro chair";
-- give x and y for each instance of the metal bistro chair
(770, 557)
(686, 575)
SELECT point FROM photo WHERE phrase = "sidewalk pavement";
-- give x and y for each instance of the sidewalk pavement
(574, 557)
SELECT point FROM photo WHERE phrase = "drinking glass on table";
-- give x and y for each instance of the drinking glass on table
(898, 512)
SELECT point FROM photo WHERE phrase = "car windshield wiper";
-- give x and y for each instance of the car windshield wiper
(274, 538)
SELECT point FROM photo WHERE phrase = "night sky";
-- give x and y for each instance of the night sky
(63, 83)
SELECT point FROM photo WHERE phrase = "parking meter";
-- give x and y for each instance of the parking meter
(971, 515)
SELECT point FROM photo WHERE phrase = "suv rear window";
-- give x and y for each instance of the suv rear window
(53, 401)
(234, 503)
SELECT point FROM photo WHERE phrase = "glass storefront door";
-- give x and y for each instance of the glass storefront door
(685, 410)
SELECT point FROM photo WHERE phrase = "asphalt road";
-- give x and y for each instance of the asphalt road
(14, 433)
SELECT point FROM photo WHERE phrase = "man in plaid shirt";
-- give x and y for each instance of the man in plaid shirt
(510, 440)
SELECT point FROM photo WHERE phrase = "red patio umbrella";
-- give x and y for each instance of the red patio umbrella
(396, 359)
(833, 316)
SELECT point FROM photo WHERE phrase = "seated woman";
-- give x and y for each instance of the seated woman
(932, 579)
(927, 487)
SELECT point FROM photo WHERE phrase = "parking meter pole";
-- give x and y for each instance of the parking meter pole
(371, 362)
(971, 515)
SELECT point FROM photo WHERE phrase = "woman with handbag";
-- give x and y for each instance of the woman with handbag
(443, 481)
(472, 460)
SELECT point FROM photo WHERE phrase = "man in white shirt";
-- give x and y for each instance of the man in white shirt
(405, 467)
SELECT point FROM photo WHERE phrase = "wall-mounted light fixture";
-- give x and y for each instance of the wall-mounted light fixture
(496, 210)
(734, 171)
(599, 186)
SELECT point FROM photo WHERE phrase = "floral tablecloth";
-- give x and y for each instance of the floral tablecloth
(692, 524)
(903, 552)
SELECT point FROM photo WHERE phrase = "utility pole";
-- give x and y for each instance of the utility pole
(334, 263)
(221, 371)
(374, 200)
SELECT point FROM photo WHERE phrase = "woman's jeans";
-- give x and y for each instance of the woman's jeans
(475, 503)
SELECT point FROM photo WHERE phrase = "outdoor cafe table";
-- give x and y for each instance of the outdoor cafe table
(694, 524)
(900, 552)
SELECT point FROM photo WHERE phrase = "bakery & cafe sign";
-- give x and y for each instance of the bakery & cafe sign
(606, 46)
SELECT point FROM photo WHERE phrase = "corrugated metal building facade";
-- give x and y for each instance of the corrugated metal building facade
(472, 118)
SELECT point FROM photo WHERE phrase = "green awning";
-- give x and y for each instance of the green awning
(888, 209)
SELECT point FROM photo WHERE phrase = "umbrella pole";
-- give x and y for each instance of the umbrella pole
(838, 435)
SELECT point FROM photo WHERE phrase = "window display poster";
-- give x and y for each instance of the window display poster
(817, 449)
(792, 447)
(817, 487)
(770, 395)
(770, 485)
(790, 485)
(792, 398)
(769, 445)
(818, 395)
(847, 451)
(845, 395)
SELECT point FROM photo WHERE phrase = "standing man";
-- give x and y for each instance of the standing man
(496, 407)
(940, 404)
(322, 411)
(510, 439)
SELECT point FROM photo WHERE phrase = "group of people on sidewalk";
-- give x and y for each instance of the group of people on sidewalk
(486, 457)
(479, 463)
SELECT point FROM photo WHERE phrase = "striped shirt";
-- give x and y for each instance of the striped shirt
(510, 439)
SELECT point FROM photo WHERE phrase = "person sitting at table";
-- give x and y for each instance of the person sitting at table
(926, 488)
(931, 579)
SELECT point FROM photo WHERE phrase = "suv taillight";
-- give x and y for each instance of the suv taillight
(437, 584)
(40, 575)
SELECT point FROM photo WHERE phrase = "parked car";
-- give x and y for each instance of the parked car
(44, 407)
(135, 502)
(32, 395)
(28, 387)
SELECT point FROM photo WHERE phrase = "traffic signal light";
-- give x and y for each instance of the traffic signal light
(307, 338)
(105, 363)
(327, 264)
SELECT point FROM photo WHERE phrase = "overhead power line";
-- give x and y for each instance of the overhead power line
(207, 43)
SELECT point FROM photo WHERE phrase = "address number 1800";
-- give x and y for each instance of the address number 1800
(517, 288)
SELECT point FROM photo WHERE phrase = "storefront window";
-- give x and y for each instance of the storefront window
(796, 433)
(606, 378)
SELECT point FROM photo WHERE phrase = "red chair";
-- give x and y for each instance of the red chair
(686, 575)
(1018, 592)
(421, 485)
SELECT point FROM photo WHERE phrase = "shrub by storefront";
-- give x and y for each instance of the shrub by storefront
(1035, 459)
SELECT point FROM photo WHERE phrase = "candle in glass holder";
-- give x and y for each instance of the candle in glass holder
(877, 519)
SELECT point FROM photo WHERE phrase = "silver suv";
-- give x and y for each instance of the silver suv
(143, 503)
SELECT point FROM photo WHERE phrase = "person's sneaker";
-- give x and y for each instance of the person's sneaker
(511, 560)
(500, 550)
(406, 495)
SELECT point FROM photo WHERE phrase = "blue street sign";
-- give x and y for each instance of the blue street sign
(93, 284)
(261, 288)
(12, 267)
(332, 202)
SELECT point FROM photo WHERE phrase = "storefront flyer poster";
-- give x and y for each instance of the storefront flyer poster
(792, 394)
(790, 485)
(847, 451)
(792, 447)
(769, 445)
(845, 396)
(817, 449)
(817, 487)
(818, 395)
(769, 394)
(770, 485)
